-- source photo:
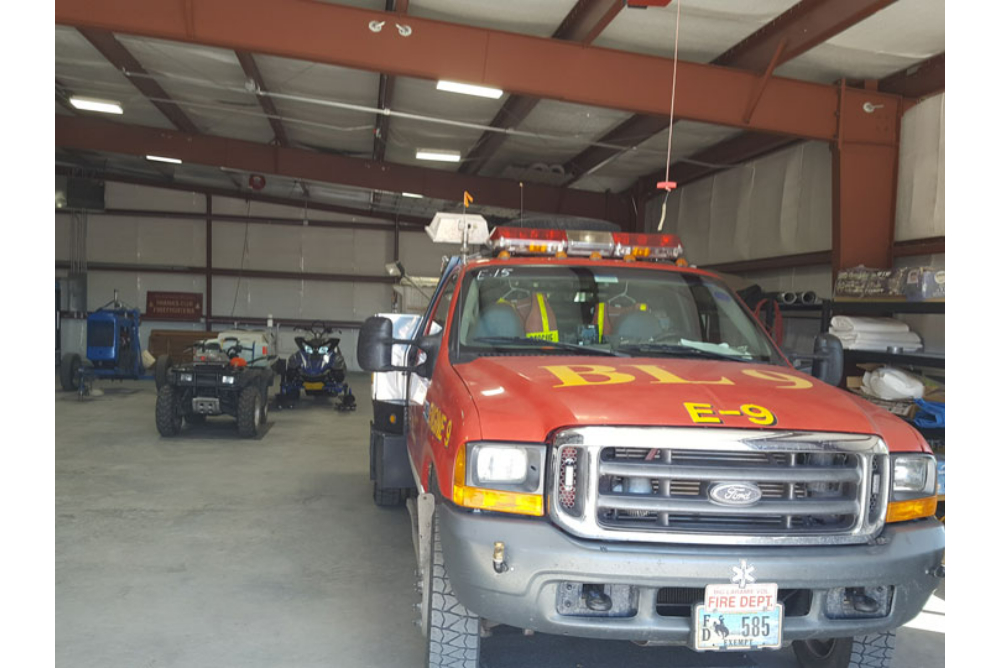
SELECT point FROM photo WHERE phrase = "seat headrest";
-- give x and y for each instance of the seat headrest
(637, 326)
(497, 320)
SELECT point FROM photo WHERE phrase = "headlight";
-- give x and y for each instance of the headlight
(914, 487)
(505, 477)
(324, 350)
(913, 476)
(308, 349)
(187, 377)
(228, 380)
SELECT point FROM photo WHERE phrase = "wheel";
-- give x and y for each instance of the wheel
(387, 497)
(163, 364)
(249, 411)
(452, 631)
(870, 651)
(264, 407)
(69, 372)
(169, 415)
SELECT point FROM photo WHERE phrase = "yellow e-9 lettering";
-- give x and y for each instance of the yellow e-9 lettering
(708, 414)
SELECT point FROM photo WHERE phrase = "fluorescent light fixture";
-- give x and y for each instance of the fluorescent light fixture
(441, 156)
(160, 158)
(413, 195)
(469, 89)
(93, 104)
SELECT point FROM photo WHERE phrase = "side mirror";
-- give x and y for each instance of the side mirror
(828, 359)
(375, 344)
(375, 348)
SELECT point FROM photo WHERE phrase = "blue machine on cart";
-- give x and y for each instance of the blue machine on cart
(113, 349)
(318, 369)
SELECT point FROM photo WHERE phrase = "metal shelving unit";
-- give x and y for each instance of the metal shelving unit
(921, 360)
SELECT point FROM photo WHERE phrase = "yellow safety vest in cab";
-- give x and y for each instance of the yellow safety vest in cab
(539, 319)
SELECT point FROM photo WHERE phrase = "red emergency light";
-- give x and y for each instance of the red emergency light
(531, 241)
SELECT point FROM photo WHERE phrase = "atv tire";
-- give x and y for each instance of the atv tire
(452, 631)
(69, 372)
(249, 412)
(160, 373)
(387, 497)
(870, 651)
(169, 416)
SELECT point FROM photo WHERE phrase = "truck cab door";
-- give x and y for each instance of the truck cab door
(422, 392)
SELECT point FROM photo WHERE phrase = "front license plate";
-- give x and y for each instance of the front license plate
(313, 386)
(734, 618)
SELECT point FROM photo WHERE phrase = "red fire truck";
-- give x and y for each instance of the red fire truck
(604, 442)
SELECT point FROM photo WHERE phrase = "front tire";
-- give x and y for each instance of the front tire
(249, 412)
(163, 364)
(871, 651)
(69, 372)
(452, 631)
(169, 416)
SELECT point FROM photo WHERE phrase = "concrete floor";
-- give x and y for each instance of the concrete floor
(209, 550)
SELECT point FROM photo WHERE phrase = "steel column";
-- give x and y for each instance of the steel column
(865, 173)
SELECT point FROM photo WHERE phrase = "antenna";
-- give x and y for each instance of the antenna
(520, 184)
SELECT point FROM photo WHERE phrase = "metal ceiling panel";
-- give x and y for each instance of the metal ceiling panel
(528, 17)
(207, 83)
(708, 27)
(82, 70)
(904, 33)
(301, 90)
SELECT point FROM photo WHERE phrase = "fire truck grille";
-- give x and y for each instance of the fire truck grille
(723, 495)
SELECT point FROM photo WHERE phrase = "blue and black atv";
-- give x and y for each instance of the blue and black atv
(318, 369)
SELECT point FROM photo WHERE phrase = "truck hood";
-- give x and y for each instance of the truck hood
(526, 398)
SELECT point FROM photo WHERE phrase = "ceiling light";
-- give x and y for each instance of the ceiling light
(469, 89)
(160, 158)
(93, 104)
(413, 195)
(442, 156)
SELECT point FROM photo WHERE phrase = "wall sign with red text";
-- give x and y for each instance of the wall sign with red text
(173, 306)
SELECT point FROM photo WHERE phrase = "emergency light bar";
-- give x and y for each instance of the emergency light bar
(529, 241)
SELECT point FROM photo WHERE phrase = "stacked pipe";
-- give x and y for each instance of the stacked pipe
(786, 298)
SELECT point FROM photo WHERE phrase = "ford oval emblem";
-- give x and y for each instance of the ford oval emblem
(735, 493)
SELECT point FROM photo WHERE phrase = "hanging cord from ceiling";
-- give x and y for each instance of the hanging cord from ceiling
(670, 132)
(246, 251)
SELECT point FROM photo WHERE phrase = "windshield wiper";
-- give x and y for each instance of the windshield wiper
(542, 343)
(674, 350)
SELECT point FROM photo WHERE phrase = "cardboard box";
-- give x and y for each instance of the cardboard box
(904, 408)
(865, 283)
(923, 284)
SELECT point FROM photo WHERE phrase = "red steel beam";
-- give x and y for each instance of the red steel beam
(386, 88)
(582, 24)
(587, 20)
(805, 26)
(99, 135)
(916, 81)
(250, 68)
(413, 222)
(521, 64)
(865, 180)
(126, 63)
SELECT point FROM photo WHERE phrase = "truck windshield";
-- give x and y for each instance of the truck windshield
(605, 311)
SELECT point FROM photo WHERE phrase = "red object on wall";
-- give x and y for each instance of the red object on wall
(257, 181)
